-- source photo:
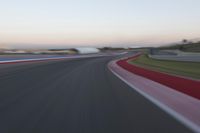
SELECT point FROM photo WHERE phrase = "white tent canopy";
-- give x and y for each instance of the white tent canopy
(87, 50)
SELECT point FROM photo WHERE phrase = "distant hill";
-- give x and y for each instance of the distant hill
(2, 46)
(188, 47)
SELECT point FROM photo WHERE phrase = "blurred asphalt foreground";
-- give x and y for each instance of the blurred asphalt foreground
(77, 95)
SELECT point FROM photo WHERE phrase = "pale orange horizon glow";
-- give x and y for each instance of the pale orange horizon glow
(98, 23)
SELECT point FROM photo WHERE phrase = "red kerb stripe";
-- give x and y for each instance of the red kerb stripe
(187, 86)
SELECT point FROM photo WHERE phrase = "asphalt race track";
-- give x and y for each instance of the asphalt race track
(190, 58)
(75, 96)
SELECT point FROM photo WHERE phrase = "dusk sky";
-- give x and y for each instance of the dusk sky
(60, 23)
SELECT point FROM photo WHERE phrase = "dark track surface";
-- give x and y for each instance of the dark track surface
(190, 58)
(77, 96)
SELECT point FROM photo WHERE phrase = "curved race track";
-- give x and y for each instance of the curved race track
(75, 96)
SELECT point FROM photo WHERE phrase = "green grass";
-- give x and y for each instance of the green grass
(189, 69)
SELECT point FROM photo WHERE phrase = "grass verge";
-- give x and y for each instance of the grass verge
(188, 69)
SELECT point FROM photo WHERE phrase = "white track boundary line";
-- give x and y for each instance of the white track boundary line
(45, 59)
(191, 125)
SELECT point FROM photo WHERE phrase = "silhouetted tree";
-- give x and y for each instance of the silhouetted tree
(185, 41)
